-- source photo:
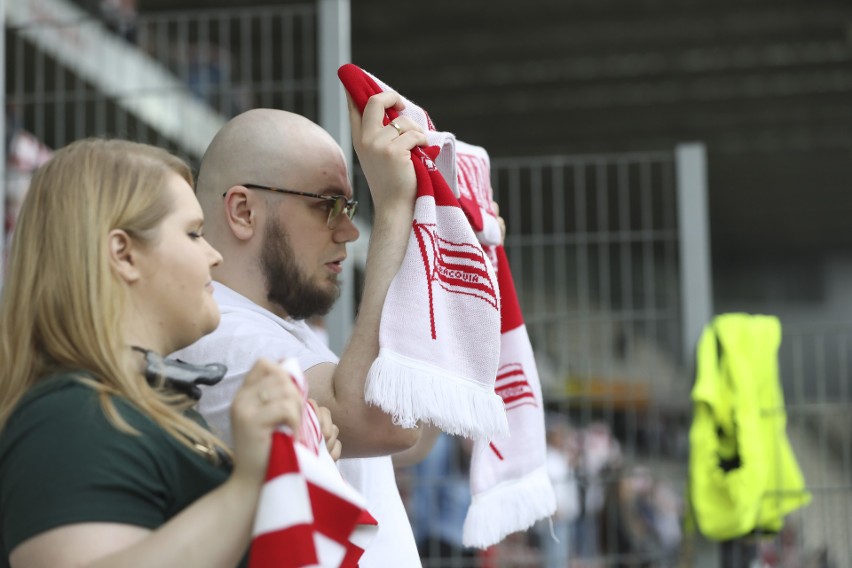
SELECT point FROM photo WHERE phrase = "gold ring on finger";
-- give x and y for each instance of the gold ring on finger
(397, 127)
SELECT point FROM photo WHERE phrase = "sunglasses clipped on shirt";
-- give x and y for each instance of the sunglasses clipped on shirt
(341, 204)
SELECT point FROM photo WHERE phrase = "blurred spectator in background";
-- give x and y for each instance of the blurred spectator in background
(209, 73)
(120, 16)
(600, 452)
(556, 551)
(642, 519)
(25, 153)
(439, 502)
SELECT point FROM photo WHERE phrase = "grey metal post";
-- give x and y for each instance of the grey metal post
(335, 48)
(696, 281)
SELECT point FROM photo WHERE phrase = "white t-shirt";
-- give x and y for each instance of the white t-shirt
(248, 332)
(564, 484)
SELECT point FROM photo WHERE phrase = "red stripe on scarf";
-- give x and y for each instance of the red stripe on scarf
(335, 517)
(267, 550)
(510, 310)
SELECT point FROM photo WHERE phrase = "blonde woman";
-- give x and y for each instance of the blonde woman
(101, 462)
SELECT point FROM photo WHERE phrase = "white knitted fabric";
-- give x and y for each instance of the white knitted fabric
(439, 334)
(452, 337)
(509, 484)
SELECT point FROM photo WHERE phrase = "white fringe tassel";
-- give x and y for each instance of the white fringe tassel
(412, 390)
(509, 507)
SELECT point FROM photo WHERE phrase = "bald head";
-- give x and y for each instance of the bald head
(260, 146)
(276, 149)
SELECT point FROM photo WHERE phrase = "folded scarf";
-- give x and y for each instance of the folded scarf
(509, 482)
(440, 326)
(510, 487)
(307, 514)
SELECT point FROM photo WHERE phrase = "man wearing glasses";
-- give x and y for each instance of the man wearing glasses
(278, 206)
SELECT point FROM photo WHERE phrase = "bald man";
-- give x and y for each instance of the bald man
(277, 203)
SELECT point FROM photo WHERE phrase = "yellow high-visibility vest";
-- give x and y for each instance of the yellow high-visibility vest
(743, 475)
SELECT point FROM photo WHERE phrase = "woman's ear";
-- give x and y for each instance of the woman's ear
(122, 255)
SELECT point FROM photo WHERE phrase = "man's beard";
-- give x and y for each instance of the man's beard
(286, 285)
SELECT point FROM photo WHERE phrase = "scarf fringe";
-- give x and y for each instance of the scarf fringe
(509, 507)
(413, 391)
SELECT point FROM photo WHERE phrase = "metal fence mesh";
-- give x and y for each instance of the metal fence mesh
(99, 83)
(593, 245)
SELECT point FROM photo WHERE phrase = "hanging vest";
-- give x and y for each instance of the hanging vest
(743, 476)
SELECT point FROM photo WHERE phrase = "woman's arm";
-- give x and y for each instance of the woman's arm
(212, 532)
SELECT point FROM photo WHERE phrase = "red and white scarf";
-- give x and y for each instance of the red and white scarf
(447, 271)
(440, 326)
(509, 483)
(307, 514)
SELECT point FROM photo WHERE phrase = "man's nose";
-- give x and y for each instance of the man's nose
(346, 231)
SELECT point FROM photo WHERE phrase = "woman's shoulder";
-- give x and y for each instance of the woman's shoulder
(59, 385)
(65, 404)
(64, 417)
(60, 450)
(55, 395)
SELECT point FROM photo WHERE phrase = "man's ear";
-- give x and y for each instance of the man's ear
(240, 212)
(122, 255)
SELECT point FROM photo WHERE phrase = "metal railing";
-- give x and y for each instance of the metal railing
(608, 253)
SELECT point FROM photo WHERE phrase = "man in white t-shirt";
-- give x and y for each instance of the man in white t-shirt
(278, 203)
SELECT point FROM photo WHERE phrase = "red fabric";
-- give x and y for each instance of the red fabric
(334, 517)
(361, 87)
(275, 549)
(508, 473)
(507, 470)
(472, 212)
(434, 367)
(292, 546)
(267, 549)
(336, 511)
(510, 309)
(429, 180)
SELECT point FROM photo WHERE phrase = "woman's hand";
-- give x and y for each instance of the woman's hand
(329, 430)
(267, 400)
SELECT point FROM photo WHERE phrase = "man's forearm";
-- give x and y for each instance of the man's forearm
(367, 430)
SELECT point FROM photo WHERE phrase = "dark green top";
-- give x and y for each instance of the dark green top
(63, 462)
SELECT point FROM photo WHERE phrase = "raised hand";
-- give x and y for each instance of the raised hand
(384, 150)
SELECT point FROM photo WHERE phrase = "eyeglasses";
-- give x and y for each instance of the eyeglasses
(339, 203)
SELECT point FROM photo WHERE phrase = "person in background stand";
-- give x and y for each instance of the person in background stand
(557, 552)
(439, 501)
(121, 16)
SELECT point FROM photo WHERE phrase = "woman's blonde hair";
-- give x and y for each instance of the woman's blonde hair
(62, 303)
